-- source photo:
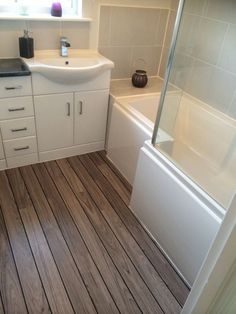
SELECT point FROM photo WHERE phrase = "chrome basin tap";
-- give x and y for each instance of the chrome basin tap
(64, 47)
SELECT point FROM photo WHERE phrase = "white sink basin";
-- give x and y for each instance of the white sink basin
(79, 66)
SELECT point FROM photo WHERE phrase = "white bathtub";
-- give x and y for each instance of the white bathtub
(177, 212)
(200, 140)
(204, 147)
(130, 124)
(183, 215)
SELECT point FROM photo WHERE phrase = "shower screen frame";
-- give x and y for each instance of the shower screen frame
(168, 69)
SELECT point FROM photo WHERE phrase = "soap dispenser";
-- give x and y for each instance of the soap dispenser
(26, 45)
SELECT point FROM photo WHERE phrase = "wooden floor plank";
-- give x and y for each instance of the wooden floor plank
(89, 272)
(54, 288)
(158, 287)
(162, 266)
(103, 155)
(140, 291)
(111, 177)
(73, 282)
(111, 276)
(69, 243)
(10, 289)
(31, 284)
(1, 306)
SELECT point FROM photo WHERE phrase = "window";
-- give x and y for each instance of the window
(28, 7)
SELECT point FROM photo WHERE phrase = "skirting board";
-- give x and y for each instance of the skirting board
(70, 151)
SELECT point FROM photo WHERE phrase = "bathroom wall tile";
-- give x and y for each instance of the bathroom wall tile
(170, 28)
(129, 26)
(46, 34)
(77, 34)
(224, 10)
(146, 58)
(222, 87)
(121, 56)
(212, 85)
(163, 62)
(195, 7)
(161, 27)
(104, 27)
(181, 70)
(10, 31)
(209, 39)
(188, 33)
(174, 5)
(232, 108)
(165, 50)
(228, 58)
(135, 3)
(125, 36)
(198, 85)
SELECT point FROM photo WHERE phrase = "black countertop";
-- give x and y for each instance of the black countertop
(13, 67)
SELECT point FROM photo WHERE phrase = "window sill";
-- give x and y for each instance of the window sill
(44, 17)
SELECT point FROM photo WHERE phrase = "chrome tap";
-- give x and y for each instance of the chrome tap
(64, 47)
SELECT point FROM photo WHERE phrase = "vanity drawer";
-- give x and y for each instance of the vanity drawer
(21, 146)
(16, 161)
(17, 128)
(15, 86)
(11, 108)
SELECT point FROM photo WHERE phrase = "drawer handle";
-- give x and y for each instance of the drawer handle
(18, 130)
(81, 107)
(68, 109)
(21, 148)
(16, 109)
(13, 87)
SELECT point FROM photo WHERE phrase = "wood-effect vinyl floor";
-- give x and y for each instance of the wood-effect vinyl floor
(70, 244)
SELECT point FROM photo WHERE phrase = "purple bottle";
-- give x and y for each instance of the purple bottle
(56, 9)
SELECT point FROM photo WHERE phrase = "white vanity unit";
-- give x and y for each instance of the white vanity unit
(70, 119)
(48, 116)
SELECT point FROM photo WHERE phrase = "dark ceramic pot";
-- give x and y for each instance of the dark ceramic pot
(139, 78)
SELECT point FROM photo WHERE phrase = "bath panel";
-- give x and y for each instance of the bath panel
(182, 219)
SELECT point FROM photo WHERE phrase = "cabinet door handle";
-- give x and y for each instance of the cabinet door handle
(18, 130)
(16, 149)
(16, 109)
(68, 109)
(13, 87)
(80, 107)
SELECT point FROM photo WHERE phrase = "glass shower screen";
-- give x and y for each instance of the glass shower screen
(198, 103)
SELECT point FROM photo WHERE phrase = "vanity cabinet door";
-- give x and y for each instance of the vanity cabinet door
(54, 121)
(90, 116)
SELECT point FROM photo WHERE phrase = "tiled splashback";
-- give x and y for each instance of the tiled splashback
(46, 35)
(205, 62)
(133, 38)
